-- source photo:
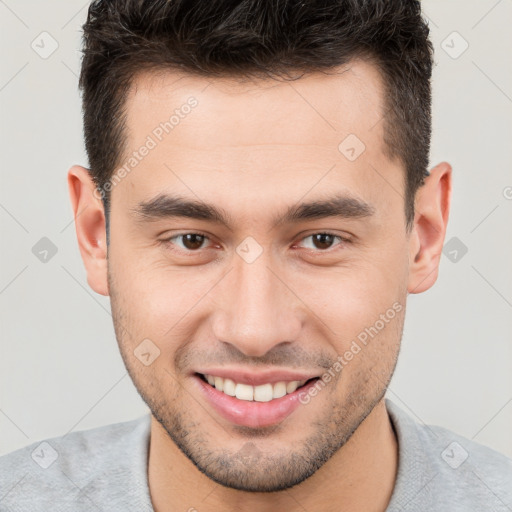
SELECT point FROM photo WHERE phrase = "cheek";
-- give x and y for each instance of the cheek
(161, 301)
(356, 294)
(362, 306)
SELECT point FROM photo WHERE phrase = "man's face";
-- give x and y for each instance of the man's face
(264, 292)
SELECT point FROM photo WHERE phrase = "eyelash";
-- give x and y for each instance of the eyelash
(168, 241)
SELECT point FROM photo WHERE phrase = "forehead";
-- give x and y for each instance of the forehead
(256, 136)
(343, 100)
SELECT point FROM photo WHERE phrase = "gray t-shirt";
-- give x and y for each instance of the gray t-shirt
(105, 469)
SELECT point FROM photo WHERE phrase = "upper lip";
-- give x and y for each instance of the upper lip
(241, 376)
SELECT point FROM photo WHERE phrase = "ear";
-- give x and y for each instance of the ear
(90, 228)
(432, 207)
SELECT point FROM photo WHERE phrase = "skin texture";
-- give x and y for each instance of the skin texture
(253, 149)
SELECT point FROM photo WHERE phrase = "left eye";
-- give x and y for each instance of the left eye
(323, 241)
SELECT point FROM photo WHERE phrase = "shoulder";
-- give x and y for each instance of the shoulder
(74, 470)
(441, 470)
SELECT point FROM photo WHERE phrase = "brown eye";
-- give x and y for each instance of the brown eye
(323, 241)
(188, 241)
(192, 241)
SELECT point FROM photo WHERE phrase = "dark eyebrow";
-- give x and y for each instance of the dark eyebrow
(345, 207)
(168, 206)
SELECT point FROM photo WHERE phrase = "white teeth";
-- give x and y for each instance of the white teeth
(219, 383)
(229, 387)
(292, 386)
(244, 392)
(279, 389)
(263, 393)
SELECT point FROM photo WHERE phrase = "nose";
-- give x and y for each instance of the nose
(257, 310)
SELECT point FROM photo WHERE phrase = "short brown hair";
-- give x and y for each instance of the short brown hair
(270, 38)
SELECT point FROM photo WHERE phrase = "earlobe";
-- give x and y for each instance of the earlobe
(426, 241)
(89, 218)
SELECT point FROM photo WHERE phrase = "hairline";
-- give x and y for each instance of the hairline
(153, 70)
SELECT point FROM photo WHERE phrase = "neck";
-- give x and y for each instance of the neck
(360, 476)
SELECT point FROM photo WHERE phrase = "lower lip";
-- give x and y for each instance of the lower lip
(250, 413)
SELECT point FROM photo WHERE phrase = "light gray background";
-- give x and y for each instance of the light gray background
(60, 368)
